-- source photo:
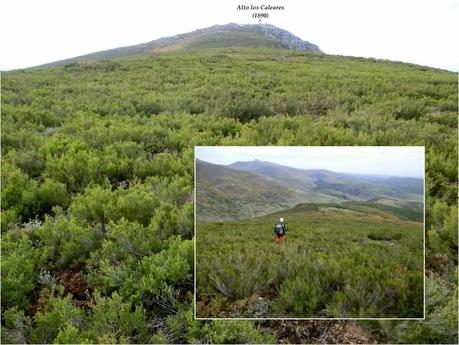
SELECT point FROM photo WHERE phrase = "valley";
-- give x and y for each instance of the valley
(248, 189)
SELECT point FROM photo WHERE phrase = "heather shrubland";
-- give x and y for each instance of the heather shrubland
(97, 195)
(332, 263)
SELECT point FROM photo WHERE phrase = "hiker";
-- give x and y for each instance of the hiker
(279, 229)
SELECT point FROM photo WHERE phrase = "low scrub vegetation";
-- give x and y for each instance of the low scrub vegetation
(325, 267)
(97, 189)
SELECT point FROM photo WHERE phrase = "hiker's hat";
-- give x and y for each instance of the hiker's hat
(281, 220)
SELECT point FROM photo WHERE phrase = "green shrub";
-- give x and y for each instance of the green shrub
(16, 327)
(147, 106)
(172, 266)
(245, 109)
(440, 326)
(51, 193)
(236, 332)
(115, 320)
(18, 191)
(19, 259)
(58, 313)
(301, 296)
(410, 109)
(66, 241)
(230, 277)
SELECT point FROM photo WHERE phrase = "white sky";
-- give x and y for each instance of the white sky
(404, 161)
(418, 31)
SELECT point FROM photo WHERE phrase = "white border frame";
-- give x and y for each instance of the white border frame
(311, 318)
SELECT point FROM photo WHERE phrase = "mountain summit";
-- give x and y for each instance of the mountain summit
(217, 36)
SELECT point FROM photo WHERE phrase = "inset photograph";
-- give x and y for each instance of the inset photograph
(309, 232)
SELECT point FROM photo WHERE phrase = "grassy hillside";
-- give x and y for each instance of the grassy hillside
(97, 184)
(401, 211)
(218, 36)
(222, 40)
(336, 261)
(415, 208)
(228, 194)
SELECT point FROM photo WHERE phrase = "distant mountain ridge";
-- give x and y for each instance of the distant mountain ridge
(254, 188)
(345, 186)
(228, 194)
(217, 36)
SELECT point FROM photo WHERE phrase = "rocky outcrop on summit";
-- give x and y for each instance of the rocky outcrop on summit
(287, 39)
(218, 36)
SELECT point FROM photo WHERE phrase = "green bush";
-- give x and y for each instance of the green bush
(16, 326)
(51, 193)
(66, 241)
(172, 266)
(236, 332)
(246, 109)
(58, 313)
(147, 106)
(19, 260)
(18, 191)
(440, 326)
(118, 321)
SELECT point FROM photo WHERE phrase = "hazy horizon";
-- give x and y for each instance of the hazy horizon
(403, 161)
(49, 30)
(317, 168)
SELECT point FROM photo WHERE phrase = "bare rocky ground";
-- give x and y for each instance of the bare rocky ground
(320, 332)
(299, 331)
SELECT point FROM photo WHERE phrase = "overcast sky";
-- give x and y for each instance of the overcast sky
(404, 161)
(418, 31)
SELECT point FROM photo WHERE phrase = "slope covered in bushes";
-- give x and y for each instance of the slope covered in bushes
(97, 184)
(337, 260)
